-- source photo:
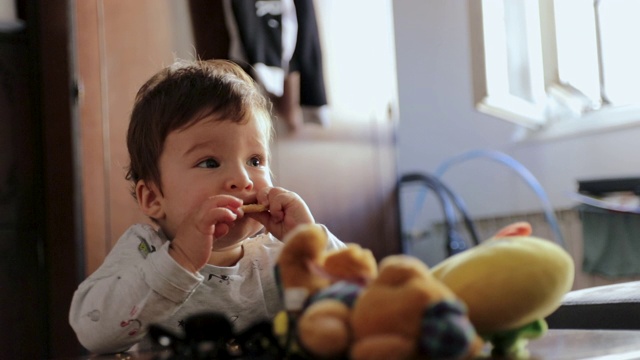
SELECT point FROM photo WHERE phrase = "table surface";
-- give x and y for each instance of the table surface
(587, 344)
(555, 345)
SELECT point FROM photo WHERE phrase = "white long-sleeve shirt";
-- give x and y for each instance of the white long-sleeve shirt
(139, 284)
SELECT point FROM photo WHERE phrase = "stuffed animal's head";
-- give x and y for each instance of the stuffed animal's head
(353, 264)
(303, 248)
(305, 265)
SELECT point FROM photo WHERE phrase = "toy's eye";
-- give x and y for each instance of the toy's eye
(209, 164)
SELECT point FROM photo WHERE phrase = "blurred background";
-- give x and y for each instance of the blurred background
(408, 87)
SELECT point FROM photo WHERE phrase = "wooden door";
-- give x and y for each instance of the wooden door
(120, 44)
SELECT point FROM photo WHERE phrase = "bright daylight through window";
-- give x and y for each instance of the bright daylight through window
(562, 67)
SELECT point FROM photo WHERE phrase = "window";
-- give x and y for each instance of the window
(561, 67)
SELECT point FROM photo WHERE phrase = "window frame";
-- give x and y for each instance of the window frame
(539, 68)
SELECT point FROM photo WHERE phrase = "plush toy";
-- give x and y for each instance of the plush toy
(402, 313)
(509, 283)
(305, 267)
(338, 305)
(319, 288)
(406, 313)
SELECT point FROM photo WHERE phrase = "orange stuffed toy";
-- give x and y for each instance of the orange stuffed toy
(320, 286)
(407, 313)
(341, 306)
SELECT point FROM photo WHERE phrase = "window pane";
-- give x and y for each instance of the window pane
(577, 46)
(517, 49)
(513, 60)
(619, 29)
(551, 65)
(495, 48)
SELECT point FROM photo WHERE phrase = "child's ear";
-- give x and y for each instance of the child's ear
(149, 199)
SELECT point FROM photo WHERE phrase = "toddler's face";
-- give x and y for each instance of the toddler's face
(213, 157)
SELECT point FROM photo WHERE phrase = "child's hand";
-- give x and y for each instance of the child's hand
(286, 211)
(195, 236)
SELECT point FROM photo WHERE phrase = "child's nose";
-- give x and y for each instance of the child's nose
(239, 180)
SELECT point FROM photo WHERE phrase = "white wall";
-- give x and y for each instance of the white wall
(438, 120)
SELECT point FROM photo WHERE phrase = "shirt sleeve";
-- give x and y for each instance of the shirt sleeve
(138, 284)
(333, 242)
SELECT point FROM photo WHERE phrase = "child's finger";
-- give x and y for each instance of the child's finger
(227, 201)
(220, 230)
(211, 217)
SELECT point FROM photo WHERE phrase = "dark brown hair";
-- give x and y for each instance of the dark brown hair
(179, 96)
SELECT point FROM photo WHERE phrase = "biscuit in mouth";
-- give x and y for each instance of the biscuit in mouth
(253, 208)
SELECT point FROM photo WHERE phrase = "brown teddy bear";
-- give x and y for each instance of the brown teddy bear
(343, 307)
(319, 288)
(305, 267)
(406, 313)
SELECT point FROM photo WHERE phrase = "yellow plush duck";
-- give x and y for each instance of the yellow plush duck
(509, 283)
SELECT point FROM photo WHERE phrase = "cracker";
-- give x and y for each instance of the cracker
(253, 208)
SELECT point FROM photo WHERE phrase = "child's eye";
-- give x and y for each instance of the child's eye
(209, 164)
(255, 161)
